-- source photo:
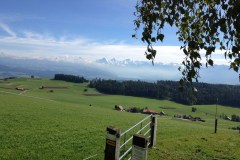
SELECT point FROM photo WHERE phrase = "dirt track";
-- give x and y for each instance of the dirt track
(95, 94)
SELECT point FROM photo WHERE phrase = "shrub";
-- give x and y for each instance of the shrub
(235, 118)
(194, 109)
(41, 87)
(136, 110)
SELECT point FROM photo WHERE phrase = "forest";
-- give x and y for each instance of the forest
(206, 93)
(70, 78)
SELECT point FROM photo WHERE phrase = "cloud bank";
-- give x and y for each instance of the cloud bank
(30, 44)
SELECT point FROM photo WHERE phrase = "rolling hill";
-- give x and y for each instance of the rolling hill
(68, 121)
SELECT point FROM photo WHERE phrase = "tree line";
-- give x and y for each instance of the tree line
(207, 93)
(70, 78)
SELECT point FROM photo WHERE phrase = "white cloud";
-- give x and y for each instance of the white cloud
(32, 44)
(32, 35)
(5, 28)
(35, 44)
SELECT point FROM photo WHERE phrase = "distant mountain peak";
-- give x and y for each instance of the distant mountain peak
(102, 61)
(125, 62)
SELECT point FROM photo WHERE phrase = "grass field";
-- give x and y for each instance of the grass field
(70, 123)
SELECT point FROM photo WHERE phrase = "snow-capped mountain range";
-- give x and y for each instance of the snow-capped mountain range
(129, 62)
(106, 68)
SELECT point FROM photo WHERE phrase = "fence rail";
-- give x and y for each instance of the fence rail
(135, 125)
(118, 146)
(124, 134)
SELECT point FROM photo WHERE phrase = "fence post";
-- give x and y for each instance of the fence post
(139, 147)
(216, 123)
(153, 132)
(112, 148)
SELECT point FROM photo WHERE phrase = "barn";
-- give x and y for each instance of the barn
(149, 111)
(119, 108)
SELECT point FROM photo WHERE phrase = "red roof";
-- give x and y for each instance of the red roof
(148, 111)
(119, 107)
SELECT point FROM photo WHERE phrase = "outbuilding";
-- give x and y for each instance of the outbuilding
(119, 108)
(149, 111)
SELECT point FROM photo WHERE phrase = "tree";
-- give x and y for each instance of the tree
(202, 25)
(194, 109)
(235, 118)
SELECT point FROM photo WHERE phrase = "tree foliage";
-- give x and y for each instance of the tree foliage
(235, 118)
(202, 25)
(70, 78)
(208, 94)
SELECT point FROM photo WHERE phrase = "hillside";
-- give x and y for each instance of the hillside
(68, 121)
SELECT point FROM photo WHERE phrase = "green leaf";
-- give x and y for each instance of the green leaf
(235, 49)
(223, 27)
(154, 52)
(160, 37)
(210, 62)
(195, 55)
(153, 39)
(185, 51)
(191, 73)
(192, 44)
(181, 10)
(201, 45)
(235, 68)
(237, 61)
(224, 7)
(210, 50)
(197, 64)
(149, 56)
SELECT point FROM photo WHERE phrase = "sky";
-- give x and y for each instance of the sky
(80, 29)
(87, 28)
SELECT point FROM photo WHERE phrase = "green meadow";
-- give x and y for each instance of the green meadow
(68, 121)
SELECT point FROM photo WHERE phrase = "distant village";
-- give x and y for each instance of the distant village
(149, 111)
(138, 110)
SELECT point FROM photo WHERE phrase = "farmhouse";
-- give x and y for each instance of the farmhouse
(119, 108)
(149, 111)
(19, 88)
(227, 118)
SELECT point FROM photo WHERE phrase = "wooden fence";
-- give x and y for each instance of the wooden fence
(119, 146)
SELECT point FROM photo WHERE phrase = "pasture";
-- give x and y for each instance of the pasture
(70, 123)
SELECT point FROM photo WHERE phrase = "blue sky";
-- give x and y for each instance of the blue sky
(90, 29)
(98, 20)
